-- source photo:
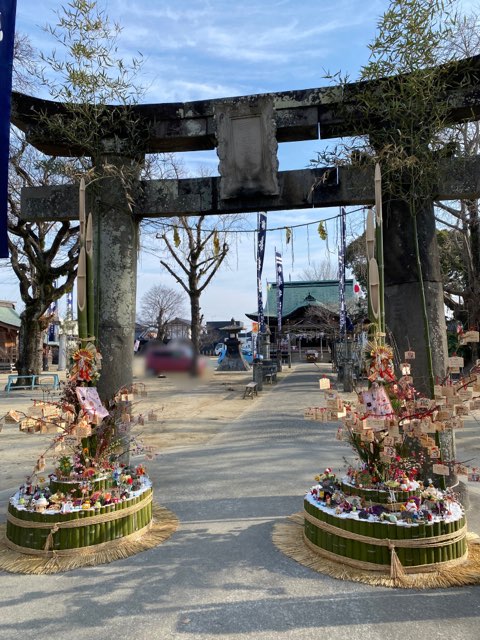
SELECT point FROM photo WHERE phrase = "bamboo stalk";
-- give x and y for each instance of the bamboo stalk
(74, 541)
(81, 211)
(379, 248)
(400, 535)
(83, 530)
(60, 538)
(82, 296)
(437, 531)
(370, 243)
(93, 528)
(90, 298)
(410, 555)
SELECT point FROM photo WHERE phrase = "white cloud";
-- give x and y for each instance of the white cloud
(218, 48)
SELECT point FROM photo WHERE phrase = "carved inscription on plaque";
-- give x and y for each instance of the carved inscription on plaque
(247, 148)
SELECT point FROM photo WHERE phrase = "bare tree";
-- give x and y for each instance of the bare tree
(195, 248)
(43, 255)
(159, 306)
(321, 270)
(460, 221)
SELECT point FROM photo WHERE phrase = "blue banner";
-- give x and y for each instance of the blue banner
(280, 288)
(261, 238)
(7, 34)
(341, 271)
(70, 305)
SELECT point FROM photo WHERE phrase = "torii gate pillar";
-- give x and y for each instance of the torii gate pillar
(402, 288)
(115, 232)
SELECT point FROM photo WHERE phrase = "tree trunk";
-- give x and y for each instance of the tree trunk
(196, 321)
(403, 302)
(160, 328)
(30, 343)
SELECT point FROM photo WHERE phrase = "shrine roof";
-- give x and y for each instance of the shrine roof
(8, 316)
(304, 293)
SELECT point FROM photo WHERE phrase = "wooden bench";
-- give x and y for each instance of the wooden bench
(250, 390)
(270, 377)
(34, 381)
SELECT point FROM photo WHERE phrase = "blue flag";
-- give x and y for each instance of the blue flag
(261, 238)
(341, 272)
(280, 288)
(7, 34)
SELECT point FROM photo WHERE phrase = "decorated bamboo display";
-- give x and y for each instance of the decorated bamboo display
(355, 541)
(82, 528)
(92, 499)
(391, 512)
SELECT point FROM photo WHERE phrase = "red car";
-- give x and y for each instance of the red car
(168, 359)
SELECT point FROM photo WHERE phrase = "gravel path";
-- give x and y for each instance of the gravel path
(220, 576)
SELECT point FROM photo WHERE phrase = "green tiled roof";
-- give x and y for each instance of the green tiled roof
(300, 293)
(9, 316)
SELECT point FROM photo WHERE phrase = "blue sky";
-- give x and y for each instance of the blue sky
(199, 49)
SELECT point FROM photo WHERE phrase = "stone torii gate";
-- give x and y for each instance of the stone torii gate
(246, 132)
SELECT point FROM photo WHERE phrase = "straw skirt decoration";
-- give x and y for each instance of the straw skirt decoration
(14, 559)
(288, 537)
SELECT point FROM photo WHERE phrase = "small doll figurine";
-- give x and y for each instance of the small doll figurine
(411, 507)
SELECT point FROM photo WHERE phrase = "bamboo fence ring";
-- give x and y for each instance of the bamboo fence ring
(383, 568)
(84, 522)
(288, 536)
(17, 559)
(423, 543)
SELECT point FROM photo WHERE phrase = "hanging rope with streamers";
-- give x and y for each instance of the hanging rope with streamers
(176, 237)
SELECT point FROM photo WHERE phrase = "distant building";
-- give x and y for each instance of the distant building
(178, 329)
(310, 309)
(9, 328)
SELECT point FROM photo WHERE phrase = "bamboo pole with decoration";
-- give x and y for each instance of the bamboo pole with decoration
(82, 268)
(379, 251)
(90, 298)
(82, 297)
(370, 246)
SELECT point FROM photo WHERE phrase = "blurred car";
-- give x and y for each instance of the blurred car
(171, 358)
(311, 355)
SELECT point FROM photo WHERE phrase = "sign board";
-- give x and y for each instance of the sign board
(455, 361)
(470, 336)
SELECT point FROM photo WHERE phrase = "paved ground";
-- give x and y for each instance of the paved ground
(220, 576)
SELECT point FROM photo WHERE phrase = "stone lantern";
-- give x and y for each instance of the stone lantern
(233, 360)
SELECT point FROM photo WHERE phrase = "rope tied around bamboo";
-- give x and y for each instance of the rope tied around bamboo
(370, 566)
(396, 567)
(73, 524)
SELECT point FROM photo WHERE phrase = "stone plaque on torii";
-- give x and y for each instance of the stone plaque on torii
(246, 132)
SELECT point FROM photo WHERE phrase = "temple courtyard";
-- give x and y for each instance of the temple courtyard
(230, 469)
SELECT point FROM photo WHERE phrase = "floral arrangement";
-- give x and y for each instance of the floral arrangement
(428, 504)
